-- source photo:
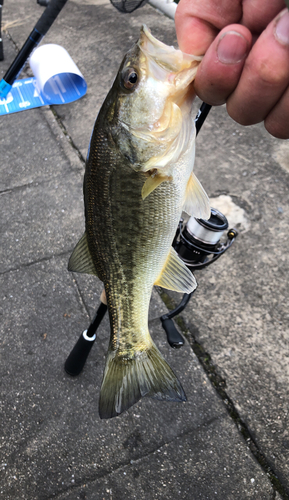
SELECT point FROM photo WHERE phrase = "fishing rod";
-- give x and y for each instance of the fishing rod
(198, 245)
(79, 354)
(1, 41)
(39, 31)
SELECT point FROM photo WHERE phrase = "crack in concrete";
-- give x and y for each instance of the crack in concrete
(108, 472)
(219, 385)
(25, 186)
(64, 131)
(66, 253)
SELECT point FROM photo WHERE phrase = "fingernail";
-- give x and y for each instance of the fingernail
(282, 28)
(232, 48)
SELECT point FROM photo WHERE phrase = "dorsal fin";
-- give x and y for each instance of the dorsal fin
(175, 275)
(81, 260)
(197, 202)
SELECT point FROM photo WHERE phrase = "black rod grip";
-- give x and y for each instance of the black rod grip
(19, 61)
(174, 337)
(49, 15)
(79, 354)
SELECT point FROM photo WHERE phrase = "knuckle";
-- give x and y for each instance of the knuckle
(268, 72)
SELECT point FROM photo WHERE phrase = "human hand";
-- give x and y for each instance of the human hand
(246, 62)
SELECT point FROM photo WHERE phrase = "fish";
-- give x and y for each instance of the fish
(138, 179)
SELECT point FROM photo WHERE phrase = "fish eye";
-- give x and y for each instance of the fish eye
(129, 78)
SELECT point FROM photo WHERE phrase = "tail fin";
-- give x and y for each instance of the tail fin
(125, 381)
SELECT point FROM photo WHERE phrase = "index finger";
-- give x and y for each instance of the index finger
(257, 14)
(198, 22)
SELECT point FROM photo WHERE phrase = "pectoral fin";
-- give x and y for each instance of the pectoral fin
(152, 182)
(81, 260)
(197, 202)
(175, 275)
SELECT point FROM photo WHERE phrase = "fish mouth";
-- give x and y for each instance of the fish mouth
(168, 72)
(175, 70)
(167, 63)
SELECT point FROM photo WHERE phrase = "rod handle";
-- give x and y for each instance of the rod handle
(49, 15)
(1, 40)
(79, 354)
(174, 337)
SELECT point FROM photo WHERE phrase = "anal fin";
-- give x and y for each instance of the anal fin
(80, 260)
(175, 275)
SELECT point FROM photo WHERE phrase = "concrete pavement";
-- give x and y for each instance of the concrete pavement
(230, 439)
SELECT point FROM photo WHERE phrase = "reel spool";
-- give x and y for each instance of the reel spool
(198, 242)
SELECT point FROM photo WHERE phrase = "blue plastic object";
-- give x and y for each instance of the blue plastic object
(25, 94)
(4, 89)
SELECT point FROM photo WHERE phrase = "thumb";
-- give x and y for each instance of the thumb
(221, 67)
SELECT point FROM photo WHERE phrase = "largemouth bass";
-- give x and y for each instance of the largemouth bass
(137, 181)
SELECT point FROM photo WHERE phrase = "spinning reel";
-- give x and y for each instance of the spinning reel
(198, 245)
